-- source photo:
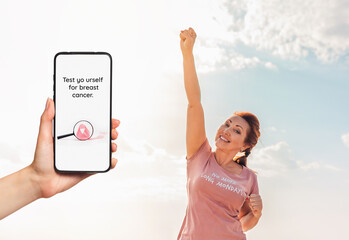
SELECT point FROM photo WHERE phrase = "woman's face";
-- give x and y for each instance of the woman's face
(231, 134)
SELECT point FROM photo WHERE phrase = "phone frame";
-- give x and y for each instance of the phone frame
(54, 119)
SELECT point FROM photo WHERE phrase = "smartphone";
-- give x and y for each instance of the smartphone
(83, 110)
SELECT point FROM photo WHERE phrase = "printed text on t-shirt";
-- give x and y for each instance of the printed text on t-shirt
(222, 182)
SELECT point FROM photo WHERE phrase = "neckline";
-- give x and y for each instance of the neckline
(226, 171)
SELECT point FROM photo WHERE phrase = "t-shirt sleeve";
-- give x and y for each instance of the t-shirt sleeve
(203, 152)
(254, 188)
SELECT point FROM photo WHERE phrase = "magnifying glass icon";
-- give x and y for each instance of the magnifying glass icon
(83, 130)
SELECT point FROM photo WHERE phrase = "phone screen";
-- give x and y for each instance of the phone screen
(82, 122)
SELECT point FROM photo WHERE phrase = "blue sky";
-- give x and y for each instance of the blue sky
(285, 61)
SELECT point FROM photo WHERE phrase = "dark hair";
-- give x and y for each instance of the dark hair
(252, 135)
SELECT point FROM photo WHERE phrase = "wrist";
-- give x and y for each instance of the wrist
(187, 55)
(33, 180)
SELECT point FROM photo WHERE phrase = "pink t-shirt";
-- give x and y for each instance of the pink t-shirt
(215, 197)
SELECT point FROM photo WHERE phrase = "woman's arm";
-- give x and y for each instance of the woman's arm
(251, 212)
(249, 221)
(195, 134)
(17, 190)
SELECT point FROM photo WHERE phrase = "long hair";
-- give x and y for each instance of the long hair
(252, 136)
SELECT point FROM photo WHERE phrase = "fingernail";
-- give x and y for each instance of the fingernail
(47, 103)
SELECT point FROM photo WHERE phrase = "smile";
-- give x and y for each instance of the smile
(225, 140)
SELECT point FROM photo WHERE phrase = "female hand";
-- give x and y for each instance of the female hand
(48, 181)
(188, 37)
(256, 204)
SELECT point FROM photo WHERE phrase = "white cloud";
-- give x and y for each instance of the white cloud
(316, 165)
(286, 29)
(270, 66)
(292, 29)
(328, 166)
(146, 171)
(239, 62)
(277, 160)
(274, 129)
(307, 166)
(215, 54)
(272, 160)
(345, 139)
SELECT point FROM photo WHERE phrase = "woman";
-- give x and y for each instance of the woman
(39, 179)
(223, 195)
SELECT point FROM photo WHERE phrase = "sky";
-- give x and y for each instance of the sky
(285, 61)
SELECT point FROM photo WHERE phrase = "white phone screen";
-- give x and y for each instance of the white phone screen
(82, 96)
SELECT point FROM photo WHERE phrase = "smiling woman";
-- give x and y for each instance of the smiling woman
(251, 137)
(223, 194)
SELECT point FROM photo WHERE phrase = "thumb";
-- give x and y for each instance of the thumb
(45, 131)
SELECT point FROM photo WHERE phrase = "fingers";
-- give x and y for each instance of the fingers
(182, 36)
(187, 33)
(114, 161)
(255, 197)
(255, 205)
(113, 147)
(115, 123)
(114, 134)
(255, 202)
(192, 32)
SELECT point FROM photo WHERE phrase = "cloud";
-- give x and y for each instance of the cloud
(345, 139)
(270, 66)
(274, 129)
(225, 57)
(316, 165)
(239, 62)
(272, 160)
(328, 166)
(146, 171)
(289, 30)
(277, 160)
(292, 29)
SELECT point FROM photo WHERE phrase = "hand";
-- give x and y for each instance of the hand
(50, 182)
(256, 204)
(187, 41)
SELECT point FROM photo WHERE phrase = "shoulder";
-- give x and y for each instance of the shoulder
(252, 176)
(252, 172)
(204, 151)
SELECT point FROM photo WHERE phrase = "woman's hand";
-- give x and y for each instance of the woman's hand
(256, 204)
(48, 181)
(188, 37)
